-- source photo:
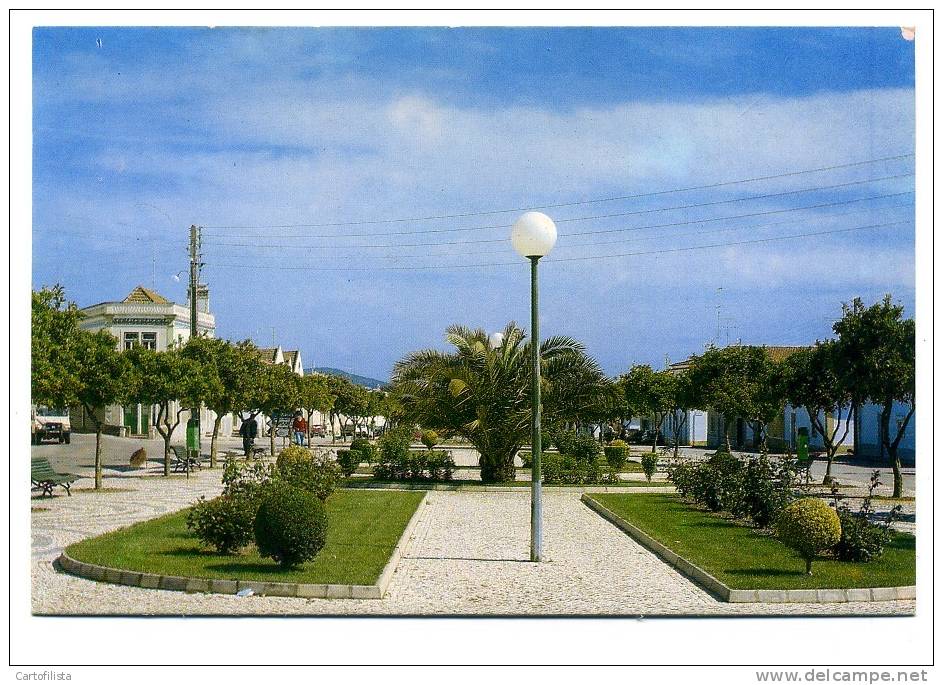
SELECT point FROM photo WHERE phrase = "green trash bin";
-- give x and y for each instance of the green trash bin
(193, 435)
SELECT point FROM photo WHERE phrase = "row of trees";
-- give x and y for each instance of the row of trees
(72, 367)
(482, 393)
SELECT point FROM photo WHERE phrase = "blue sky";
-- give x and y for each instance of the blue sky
(273, 130)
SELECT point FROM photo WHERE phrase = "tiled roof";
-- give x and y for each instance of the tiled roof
(776, 352)
(268, 354)
(142, 295)
(291, 356)
(779, 352)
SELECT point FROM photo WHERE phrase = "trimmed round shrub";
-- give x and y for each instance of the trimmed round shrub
(291, 455)
(810, 527)
(617, 453)
(290, 526)
(225, 522)
(649, 464)
(429, 438)
(527, 458)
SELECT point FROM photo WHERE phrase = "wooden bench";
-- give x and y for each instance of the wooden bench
(44, 478)
(183, 461)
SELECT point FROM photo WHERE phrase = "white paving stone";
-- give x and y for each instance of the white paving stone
(468, 555)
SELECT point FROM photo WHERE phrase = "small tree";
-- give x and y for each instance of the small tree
(651, 392)
(165, 379)
(103, 380)
(876, 347)
(742, 381)
(814, 380)
(54, 367)
(683, 399)
(314, 394)
(281, 394)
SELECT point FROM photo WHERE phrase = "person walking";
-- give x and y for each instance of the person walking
(248, 430)
(300, 426)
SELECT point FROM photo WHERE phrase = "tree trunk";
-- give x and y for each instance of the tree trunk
(808, 567)
(98, 456)
(497, 466)
(308, 436)
(727, 435)
(272, 437)
(219, 419)
(167, 453)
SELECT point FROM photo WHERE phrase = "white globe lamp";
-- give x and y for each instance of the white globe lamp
(533, 235)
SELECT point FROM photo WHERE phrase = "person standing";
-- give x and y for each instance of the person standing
(248, 430)
(300, 426)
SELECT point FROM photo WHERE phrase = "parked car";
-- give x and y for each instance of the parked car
(318, 431)
(50, 423)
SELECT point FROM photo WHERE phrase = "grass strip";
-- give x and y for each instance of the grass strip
(363, 529)
(747, 559)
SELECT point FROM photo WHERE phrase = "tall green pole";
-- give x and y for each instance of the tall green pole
(535, 499)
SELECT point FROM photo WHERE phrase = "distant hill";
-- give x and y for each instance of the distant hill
(365, 381)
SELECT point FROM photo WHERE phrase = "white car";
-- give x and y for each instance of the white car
(50, 424)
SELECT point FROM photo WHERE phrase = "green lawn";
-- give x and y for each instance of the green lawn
(363, 529)
(747, 559)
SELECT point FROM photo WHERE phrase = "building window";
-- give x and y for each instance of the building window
(130, 340)
(149, 341)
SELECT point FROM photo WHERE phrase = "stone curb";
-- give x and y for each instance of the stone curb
(728, 594)
(441, 487)
(230, 587)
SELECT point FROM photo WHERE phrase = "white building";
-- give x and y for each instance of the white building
(147, 319)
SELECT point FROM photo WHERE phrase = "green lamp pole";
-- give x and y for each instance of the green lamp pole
(533, 236)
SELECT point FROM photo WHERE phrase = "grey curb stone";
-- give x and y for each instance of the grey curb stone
(231, 587)
(728, 594)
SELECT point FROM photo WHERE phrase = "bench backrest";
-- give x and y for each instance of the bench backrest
(41, 468)
(179, 451)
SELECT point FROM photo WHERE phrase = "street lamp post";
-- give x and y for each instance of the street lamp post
(533, 236)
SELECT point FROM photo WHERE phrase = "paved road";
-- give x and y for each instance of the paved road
(79, 457)
(467, 555)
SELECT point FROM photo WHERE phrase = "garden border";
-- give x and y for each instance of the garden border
(230, 587)
(728, 594)
(444, 487)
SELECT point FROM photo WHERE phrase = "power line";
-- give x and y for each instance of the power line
(574, 203)
(564, 259)
(726, 229)
(590, 217)
(566, 235)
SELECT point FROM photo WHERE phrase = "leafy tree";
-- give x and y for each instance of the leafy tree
(168, 380)
(769, 395)
(352, 403)
(814, 381)
(740, 380)
(611, 410)
(281, 388)
(230, 376)
(54, 368)
(103, 377)
(314, 394)
(483, 393)
(651, 392)
(876, 346)
(684, 397)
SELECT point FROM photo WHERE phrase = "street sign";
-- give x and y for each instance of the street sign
(281, 423)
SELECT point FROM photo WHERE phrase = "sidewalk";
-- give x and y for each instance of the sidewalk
(468, 555)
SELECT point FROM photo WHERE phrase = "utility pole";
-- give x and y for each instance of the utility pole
(193, 425)
(194, 276)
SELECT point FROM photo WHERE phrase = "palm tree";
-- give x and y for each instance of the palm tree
(483, 393)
